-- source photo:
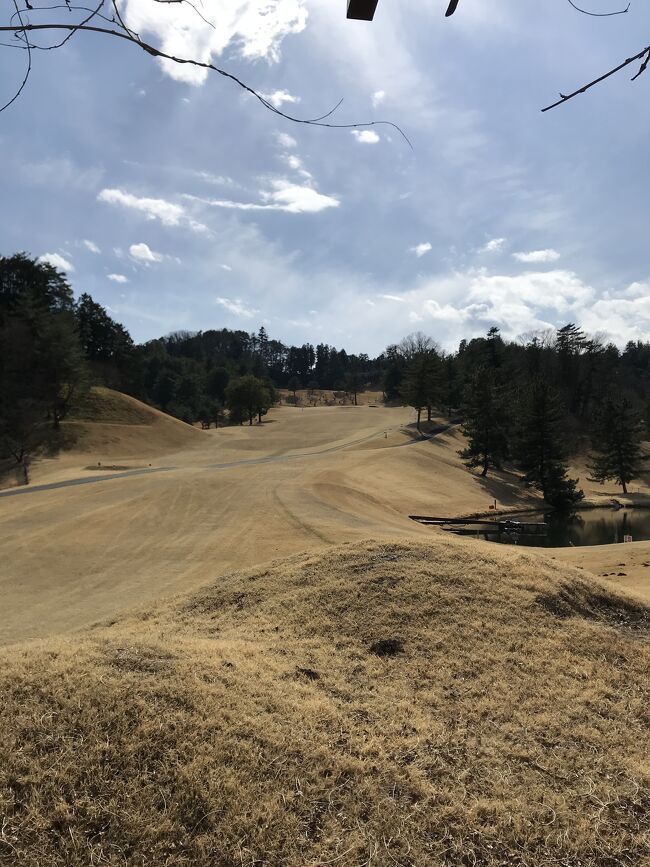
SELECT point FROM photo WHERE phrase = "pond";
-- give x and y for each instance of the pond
(590, 527)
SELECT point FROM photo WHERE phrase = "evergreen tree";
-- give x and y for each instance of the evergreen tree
(216, 383)
(27, 284)
(293, 385)
(494, 346)
(25, 430)
(616, 439)
(393, 372)
(62, 370)
(107, 345)
(421, 382)
(353, 382)
(247, 397)
(540, 448)
(485, 422)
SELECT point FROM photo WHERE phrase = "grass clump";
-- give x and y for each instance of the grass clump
(506, 735)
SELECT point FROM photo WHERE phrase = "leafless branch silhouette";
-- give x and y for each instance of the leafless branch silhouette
(106, 19)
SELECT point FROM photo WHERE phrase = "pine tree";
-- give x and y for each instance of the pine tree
(616, 439)
(539, 446)
(106, 344)
(421, 382)
(485, 423)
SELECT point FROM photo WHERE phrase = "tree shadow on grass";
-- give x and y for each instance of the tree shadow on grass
(11, 474)
(508, 490)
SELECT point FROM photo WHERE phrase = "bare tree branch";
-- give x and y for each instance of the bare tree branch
(644, 53)
(23, 83)
(24, 29)
(599, 14)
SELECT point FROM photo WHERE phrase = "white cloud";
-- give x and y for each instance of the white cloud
(144, 253)
(494, 245)
(378, 97)
(56, 261)
(365, 136)
(420, 249)
(90, 245)
(278, 97)
(254, 29)
(169, 213)
(283, 196)
(296, 199)
(465, 304)
(285, 140)
(237, 307)
(537, 256)
(119, 278)
(225, 267)
(219, 180)
(294, 162)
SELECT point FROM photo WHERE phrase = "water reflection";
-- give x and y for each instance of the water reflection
(591, 527)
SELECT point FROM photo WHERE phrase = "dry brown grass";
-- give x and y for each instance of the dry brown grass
(252, 723)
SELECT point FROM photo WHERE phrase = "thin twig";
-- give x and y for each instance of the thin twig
(155, 52)
(23, 83)
(640, 56)
(599, 14)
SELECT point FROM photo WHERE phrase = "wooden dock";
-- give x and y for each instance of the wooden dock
(503, 525)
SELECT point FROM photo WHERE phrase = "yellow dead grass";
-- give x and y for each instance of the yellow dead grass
(251, 723)
(626, 566)
(248, 721)
(73, 556)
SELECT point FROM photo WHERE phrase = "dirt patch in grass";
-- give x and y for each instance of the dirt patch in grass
(387, 647)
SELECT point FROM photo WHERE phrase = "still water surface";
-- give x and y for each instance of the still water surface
(591, 527)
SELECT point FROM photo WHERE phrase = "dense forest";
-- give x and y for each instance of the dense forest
(530, 403)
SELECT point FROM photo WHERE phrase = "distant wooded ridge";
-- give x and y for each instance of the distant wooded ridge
(53, 347)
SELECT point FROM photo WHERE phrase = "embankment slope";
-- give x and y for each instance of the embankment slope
(378, 703)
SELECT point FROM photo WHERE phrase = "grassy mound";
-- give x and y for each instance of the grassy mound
(378, 704)
(109, 422)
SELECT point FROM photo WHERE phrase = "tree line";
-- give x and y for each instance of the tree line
(530, 403)
(533, 403)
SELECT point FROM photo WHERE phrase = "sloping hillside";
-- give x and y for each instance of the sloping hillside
(112, 429)
(115, 424)
(379, 704)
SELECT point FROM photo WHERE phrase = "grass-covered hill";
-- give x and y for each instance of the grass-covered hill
(107, 420)
(376, 704)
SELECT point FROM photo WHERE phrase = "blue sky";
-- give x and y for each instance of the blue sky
(180, 203)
